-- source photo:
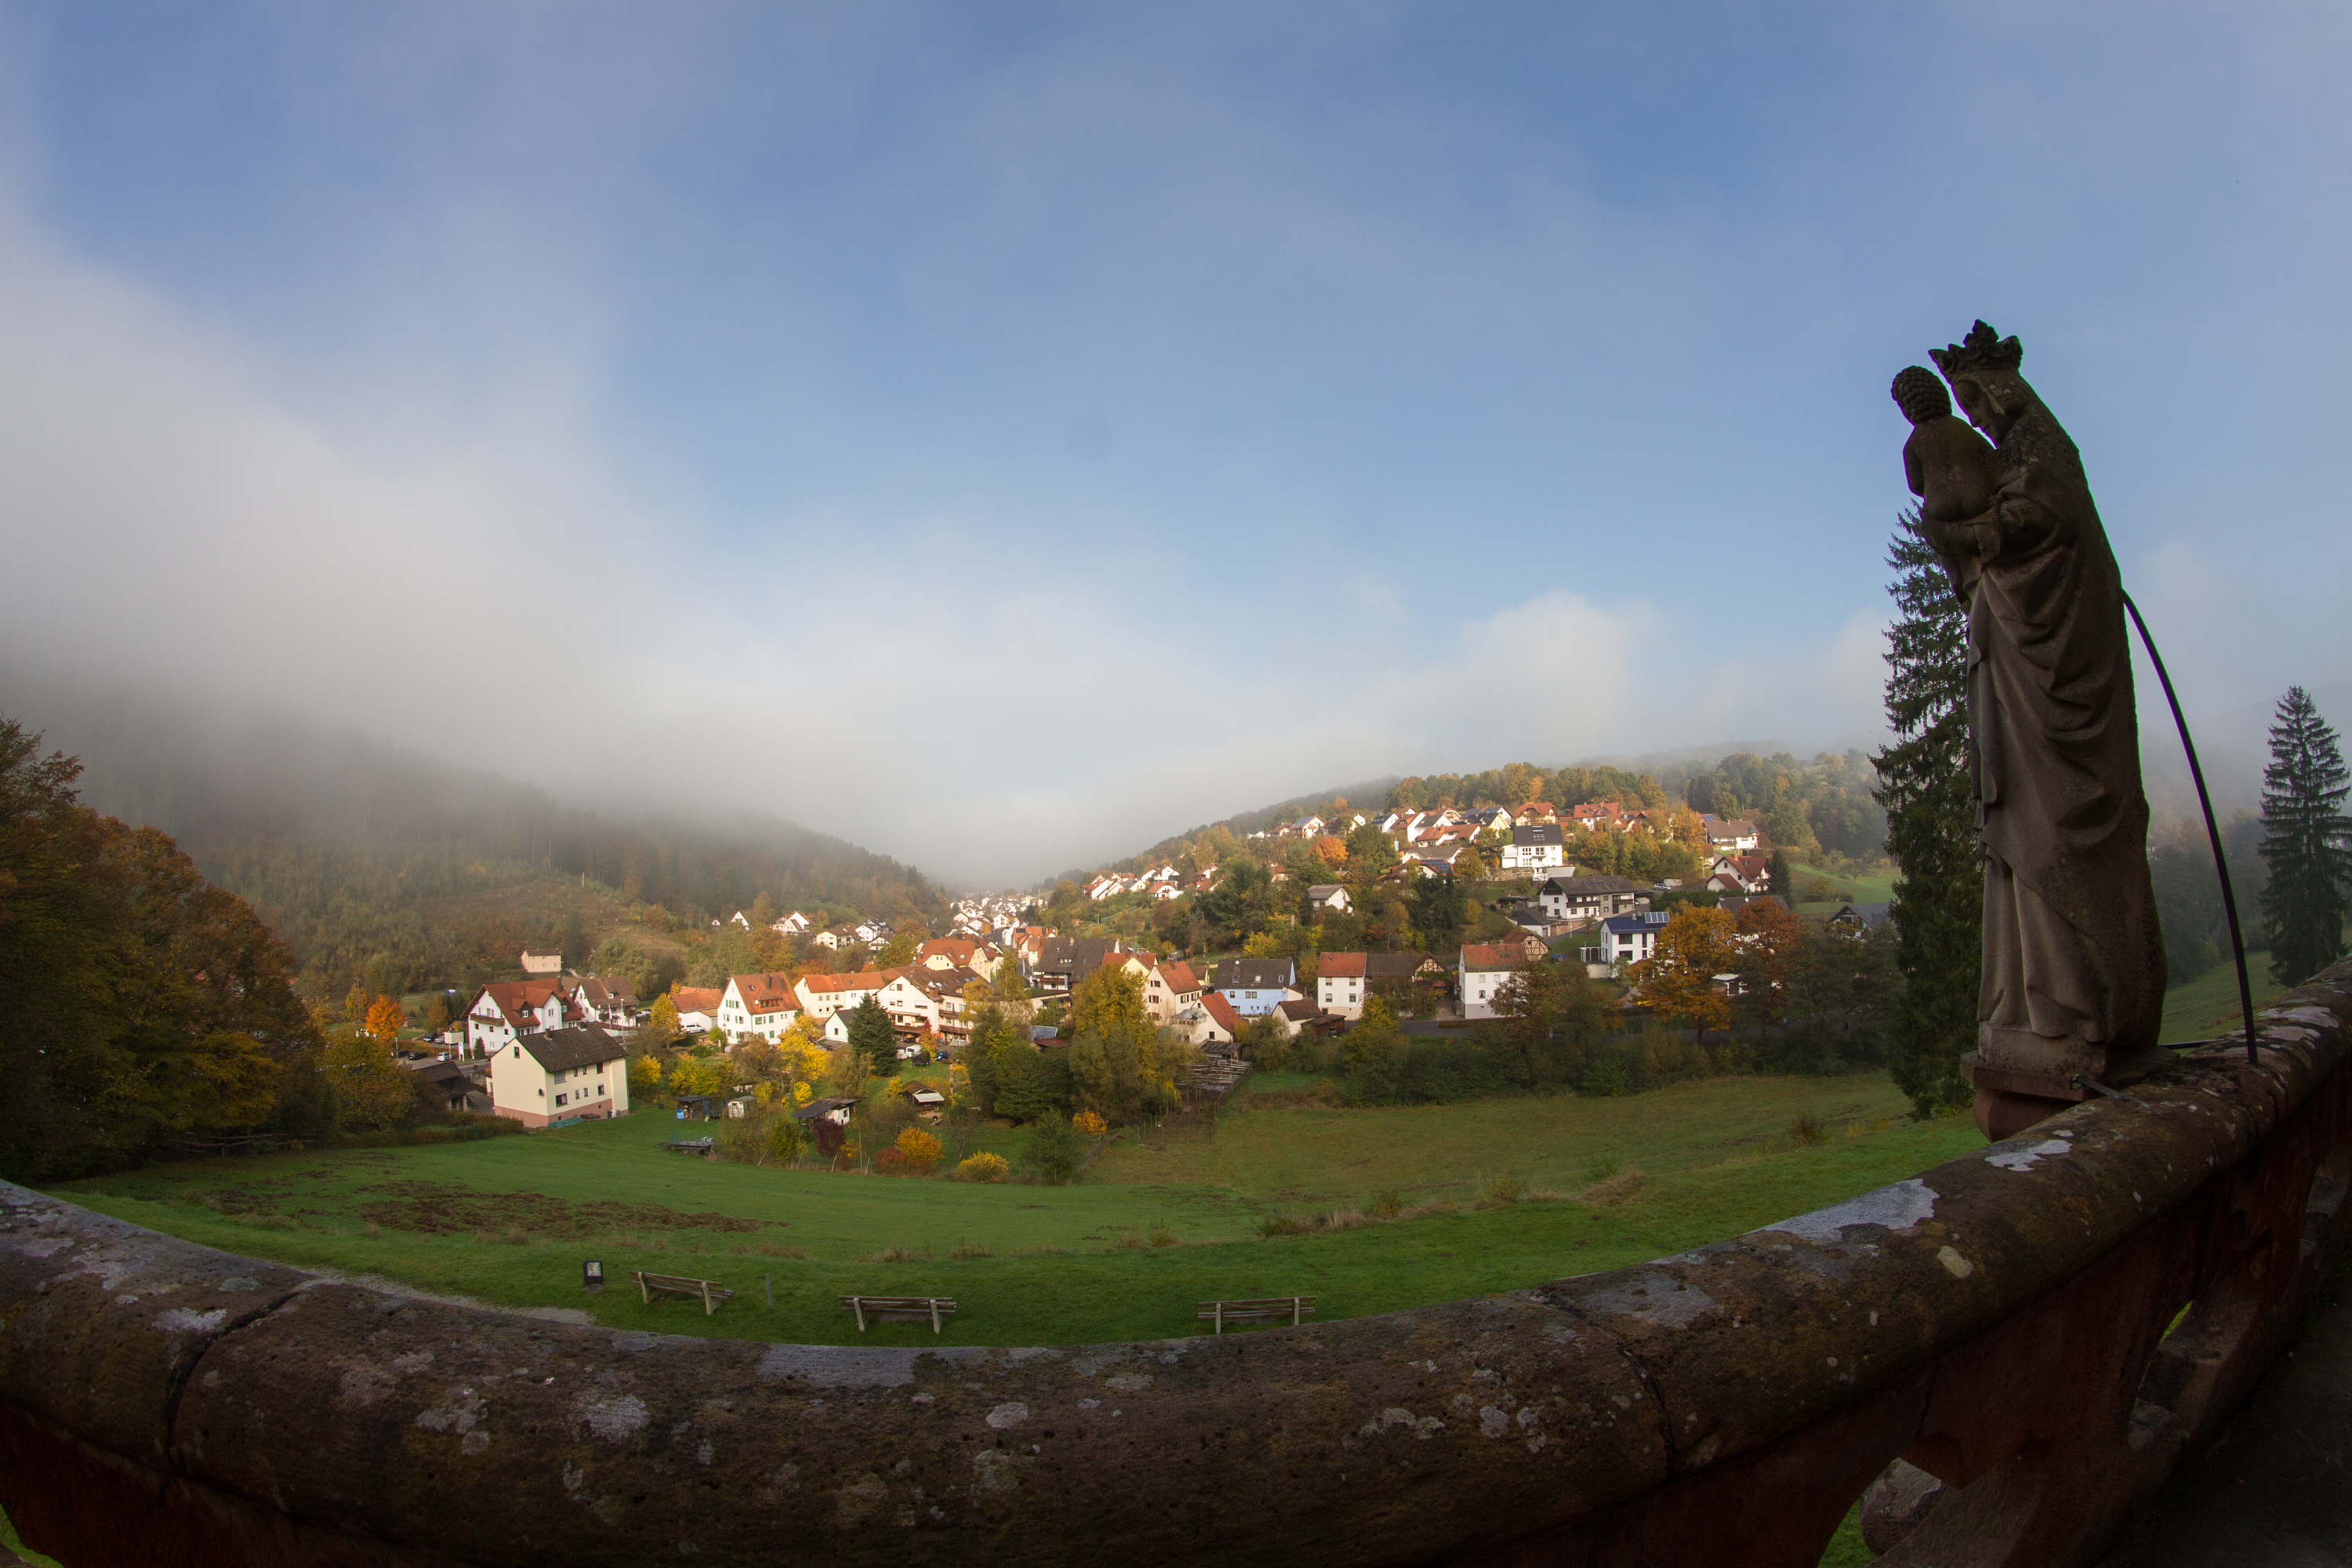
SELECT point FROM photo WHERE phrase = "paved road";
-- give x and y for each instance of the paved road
(2277, 1491)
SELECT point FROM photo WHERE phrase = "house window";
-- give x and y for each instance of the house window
(559, 1099)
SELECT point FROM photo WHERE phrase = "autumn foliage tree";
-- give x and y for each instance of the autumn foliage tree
(384, 1021)
(920, 1149)
(143, 1005)
(1677, 980)
(1769, 936)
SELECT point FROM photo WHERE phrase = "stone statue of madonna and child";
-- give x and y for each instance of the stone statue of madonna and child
(2074, 959)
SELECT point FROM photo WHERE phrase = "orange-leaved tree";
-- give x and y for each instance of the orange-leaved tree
(1678, 979)
(1332, 850)
(384, 1021)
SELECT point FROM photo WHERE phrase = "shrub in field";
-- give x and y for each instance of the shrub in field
(1275, 1225)
(1502, 1194)
(1087, 1122)
(982, 1168)
(918, 1149)
(1809, 1130)
(1386, 1205)
(890, 1161)
(1054, 1149)
(892, 1254)
(970, 1248)
(1161, 1236)
(1607, 1078)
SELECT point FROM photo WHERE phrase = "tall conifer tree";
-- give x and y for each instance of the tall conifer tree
(2306, 841)
(1923, 783)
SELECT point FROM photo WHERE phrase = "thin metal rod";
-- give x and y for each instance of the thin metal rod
(2213, 829)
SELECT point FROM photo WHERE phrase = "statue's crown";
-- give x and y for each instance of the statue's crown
(1982, 349)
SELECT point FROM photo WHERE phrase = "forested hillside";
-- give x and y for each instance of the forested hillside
(381, 865)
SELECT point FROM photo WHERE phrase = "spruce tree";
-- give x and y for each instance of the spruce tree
(2304, 842)
(1923, 783)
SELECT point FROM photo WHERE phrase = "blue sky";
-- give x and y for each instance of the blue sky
(1002, 433)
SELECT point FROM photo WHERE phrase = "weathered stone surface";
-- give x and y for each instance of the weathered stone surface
(100, 1320)
(1996, 1320)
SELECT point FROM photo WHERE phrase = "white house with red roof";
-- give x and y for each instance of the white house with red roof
(823, 996)
(1482, 971)
(1340, 983)
(1169, 988)
(502, 1014)
(756, 1006)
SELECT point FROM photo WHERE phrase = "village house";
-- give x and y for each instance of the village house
(1212, 1022)
(1624, 939)
(927, 1001)
(1730, 837)
(1063, 961)
(1167, 990)
(1589, 897)
(697, 1008)
(760, 1006)
(1295, 1016)
(1339, 984)
(542, 961)
(502, 1014)
(959, 952)
(1595, 814)
(561, 1074)
(1256, 986)
(1328, 895)
(612, 1003)
(1481, 973)
(1490, 819)
(823, 996)
(793, 924)
(1738, 874)
(1537, 848)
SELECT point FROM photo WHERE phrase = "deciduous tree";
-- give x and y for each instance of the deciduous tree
(384, 1021)
(1677, 980)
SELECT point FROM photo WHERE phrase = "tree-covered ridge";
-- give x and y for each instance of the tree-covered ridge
(377, 863)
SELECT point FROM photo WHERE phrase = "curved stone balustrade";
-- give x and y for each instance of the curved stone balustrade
(2000, 1321)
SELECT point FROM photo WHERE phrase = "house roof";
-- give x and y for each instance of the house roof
(1221, 1013)
(1299, 1011)
(1484, 957)
(821, 1107)
(697, 998)
(1178, 977)
(766, 992)
(1536, 833)
(561, 1051)
(1396, 965)
(1322, 891)
(604, 993)
(1255, 974)
(1640, 919)
(857, 980)
(513, 998)
(1723, 832)
(1340, 966)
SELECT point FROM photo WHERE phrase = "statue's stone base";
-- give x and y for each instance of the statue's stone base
(2022, 1078)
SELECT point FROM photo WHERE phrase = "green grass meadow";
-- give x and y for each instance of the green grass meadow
(1125, 1252)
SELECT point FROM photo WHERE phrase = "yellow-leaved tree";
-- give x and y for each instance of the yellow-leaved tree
(920, 1149)
(372, 1091)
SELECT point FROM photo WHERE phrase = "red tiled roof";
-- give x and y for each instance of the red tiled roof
(697, 998)
(861, 980)
(1340, 966)
(1179, 978)
(1221, 1013)
(1485, 956)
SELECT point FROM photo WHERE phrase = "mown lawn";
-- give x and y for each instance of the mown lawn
(2207, 1005)
(1123, 1253)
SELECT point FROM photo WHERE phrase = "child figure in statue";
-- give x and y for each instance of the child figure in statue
(1951, 468)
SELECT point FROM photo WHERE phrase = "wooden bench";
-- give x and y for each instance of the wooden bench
(703, 1146)
(899, 1309)
(1266, 1309)
(708, 1292)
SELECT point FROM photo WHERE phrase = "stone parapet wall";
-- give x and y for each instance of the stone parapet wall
(2000, 1321)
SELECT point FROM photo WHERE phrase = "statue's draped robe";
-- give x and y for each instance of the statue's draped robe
(2072, 946)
